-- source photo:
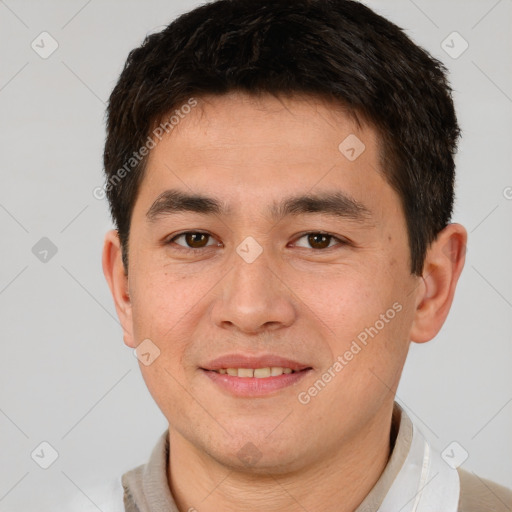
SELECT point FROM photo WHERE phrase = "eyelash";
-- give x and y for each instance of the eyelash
(340, 241)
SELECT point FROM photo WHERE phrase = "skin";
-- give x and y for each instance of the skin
(296, 300)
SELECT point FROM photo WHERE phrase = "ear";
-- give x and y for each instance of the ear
(117, 280)
(443, 265)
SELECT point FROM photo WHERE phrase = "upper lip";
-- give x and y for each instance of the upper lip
(245, 361)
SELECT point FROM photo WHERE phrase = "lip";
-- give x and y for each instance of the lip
(253, 386)
(263, 361)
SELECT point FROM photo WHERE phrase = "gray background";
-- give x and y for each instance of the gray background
(66, 376)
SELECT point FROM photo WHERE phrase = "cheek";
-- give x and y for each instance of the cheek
(162, 298)
(346, 298)
(368, 312)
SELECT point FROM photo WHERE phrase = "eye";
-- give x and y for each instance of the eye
(193, 240)
(318, 241)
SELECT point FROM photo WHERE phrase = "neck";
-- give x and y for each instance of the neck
(338, 483)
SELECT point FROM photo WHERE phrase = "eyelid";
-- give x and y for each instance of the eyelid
(341, 241)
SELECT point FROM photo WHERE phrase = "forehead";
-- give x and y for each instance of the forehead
(237, 145)
(240, 121)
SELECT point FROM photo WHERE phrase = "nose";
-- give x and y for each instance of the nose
(253, 298)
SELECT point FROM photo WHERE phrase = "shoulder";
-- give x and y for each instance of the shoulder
(481, 495)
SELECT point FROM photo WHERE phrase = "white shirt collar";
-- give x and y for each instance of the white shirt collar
(425, 483)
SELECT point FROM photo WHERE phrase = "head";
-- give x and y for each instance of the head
(281, 177)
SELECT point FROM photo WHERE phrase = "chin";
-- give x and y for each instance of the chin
(261, 462)
(258, 454)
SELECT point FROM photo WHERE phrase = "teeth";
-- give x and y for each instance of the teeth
(259, 373)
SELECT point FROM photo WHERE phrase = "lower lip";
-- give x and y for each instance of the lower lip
(252, 386)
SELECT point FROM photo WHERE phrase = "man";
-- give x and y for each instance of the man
(280, 175)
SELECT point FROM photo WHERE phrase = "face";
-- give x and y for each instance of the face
(293, 254)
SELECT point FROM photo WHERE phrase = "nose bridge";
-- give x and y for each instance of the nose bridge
(251, 274)
(253, 297)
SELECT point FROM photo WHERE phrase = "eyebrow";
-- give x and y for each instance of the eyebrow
(336, 204)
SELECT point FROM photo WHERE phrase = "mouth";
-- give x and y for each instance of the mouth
(256, 373)
(243, 376)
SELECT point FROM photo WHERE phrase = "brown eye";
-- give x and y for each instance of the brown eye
(319, 240)
(196, 240)
(192, 240)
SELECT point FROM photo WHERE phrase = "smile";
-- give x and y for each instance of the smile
(258, 373)
(254, 382)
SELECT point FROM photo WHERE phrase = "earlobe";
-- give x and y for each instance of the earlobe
(117, 280)
(443, 265)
